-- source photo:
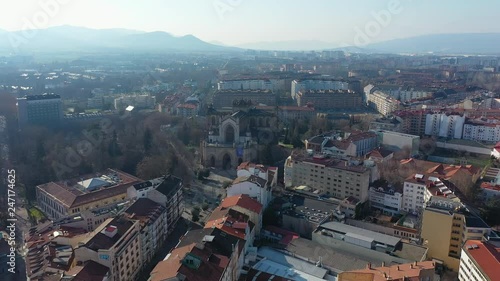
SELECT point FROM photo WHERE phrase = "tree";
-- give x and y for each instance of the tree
(269, 217)
(147, 140)
(195, 214)
(153, 166)
(427, 146)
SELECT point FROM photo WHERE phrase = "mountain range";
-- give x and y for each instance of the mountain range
(80, 39)
(74, 39)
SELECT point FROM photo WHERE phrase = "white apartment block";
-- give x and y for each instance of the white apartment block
(482, 131)
(419, 189)
(252, 84)
(382, 102)
(405, 95)
(444, 125)
(317, 84)
(387, 200)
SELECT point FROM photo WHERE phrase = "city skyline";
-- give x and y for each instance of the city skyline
(240, 22)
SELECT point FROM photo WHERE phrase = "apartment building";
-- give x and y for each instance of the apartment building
(419, 188)
(456, 225)
(187, 109)
(90, 192)
(256, 181)
(142, 101)
(383, 103)
(329, 99)
(412, 121)
(204, 254)
(386, 199)
(333, 177)
(252, 84)
(405, 94)
(227, 98)
(317, 84)
(116, 244)
(46, 109)
(482, 130)
(166, 191)
(153, 224)
(355, 144)
(288, 113)
(480, 260)
(246, 205)
(444, 125)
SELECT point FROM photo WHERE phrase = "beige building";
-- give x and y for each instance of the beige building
(456, 225)
(116, 245)
(334, 177)
(93, 192)
(383, 103)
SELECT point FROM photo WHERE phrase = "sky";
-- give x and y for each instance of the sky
(236, 22)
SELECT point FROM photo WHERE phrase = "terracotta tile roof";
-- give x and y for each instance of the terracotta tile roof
(396, 272)
(230, 221)
(243, 201)
(211, 266)
(486, 256)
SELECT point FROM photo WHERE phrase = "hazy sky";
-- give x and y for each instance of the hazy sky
(241, 21)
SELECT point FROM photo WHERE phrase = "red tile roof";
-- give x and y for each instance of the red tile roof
(243, 201)
(486, 256)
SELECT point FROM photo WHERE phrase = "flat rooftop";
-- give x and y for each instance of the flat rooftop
(104, 242)
(368, 234)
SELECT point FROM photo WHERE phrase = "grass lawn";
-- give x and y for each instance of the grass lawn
(36, 214)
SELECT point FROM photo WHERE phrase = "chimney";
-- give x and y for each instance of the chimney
(383, 263)
(411, 266)
(397, 268)
(415, 263)
(369, 265)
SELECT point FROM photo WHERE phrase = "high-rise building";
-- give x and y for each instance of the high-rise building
(43, 109)
(446, 226)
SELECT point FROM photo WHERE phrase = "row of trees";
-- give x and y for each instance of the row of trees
(133, 144)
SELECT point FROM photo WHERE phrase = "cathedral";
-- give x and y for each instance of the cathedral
(238, 136)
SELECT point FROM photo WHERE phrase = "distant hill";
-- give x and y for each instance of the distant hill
(293, 45)
(70, 38)
(465, 43)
